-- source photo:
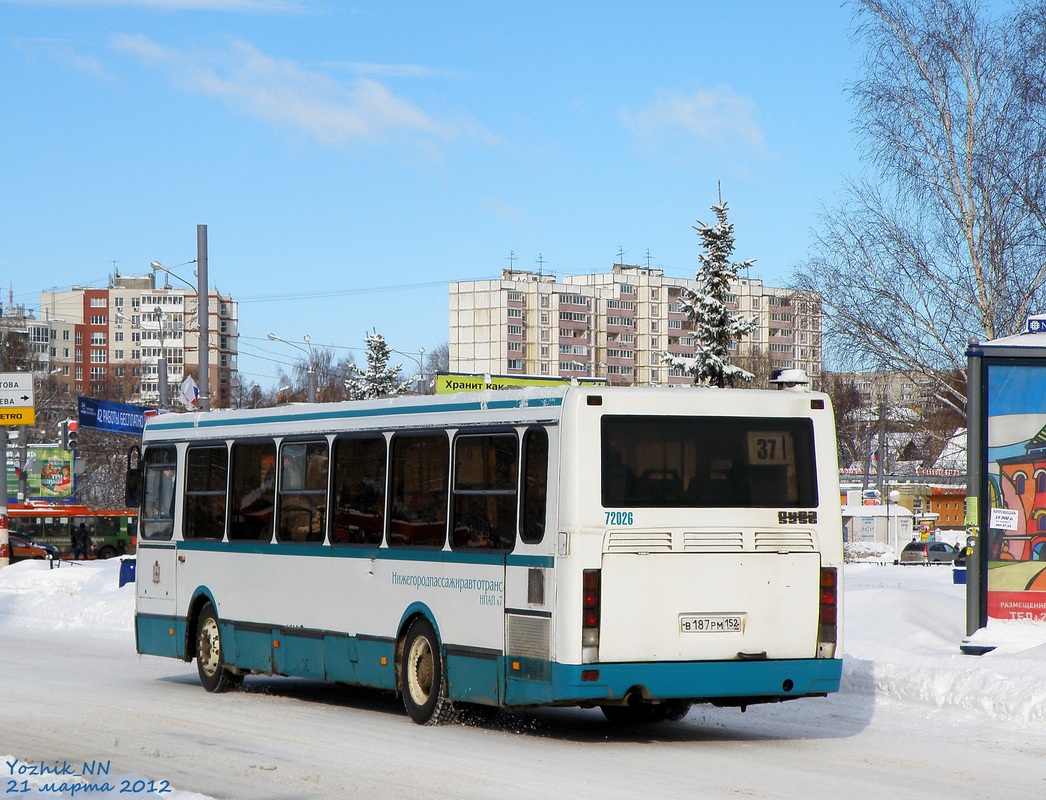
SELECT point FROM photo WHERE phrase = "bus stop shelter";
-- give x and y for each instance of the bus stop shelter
(1006, 491)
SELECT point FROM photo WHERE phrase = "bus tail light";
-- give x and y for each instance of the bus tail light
(589, 615)
(828, 627)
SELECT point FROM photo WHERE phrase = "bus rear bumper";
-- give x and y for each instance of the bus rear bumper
(728, 682)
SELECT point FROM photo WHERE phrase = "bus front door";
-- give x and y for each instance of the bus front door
(159, 629)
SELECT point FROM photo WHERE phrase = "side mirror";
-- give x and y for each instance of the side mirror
(133, 485)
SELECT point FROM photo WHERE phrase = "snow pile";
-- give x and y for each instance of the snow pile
(73, 594)
(902, 631)
(868, 551)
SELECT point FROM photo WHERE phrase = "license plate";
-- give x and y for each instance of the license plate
(711, 623)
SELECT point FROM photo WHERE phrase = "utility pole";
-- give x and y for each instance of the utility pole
(880, 471)
(203, 309)
(23, 463)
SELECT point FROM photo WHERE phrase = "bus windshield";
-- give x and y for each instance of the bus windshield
(707, 462)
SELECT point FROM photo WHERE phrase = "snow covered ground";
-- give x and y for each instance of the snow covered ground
(902, 628)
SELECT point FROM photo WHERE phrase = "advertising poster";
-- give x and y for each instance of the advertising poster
(49, 473)
(54, 479)
(1016, 491)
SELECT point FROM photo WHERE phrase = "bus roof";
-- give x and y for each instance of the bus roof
(528, 405)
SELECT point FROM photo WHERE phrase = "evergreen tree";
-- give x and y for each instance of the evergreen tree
(378, 379)
(716, 327)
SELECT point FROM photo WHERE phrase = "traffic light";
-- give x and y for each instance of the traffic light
(68, 434)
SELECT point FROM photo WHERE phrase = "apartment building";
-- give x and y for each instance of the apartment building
(616, 325)
(113, 340)
(895, 389)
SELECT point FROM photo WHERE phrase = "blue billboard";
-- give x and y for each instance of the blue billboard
(105, 415)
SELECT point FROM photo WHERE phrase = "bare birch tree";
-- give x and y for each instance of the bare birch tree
(949, 242)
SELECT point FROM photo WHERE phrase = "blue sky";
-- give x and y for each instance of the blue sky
(350, 159)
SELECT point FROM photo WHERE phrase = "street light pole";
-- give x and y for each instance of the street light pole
(272, 337)
(421, 365)
(161, 362)
(312, 370)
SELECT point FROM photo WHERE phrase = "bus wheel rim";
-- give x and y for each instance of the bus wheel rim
(210, 649)
(420, 673)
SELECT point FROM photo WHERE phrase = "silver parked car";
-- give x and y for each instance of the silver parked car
(928, 553)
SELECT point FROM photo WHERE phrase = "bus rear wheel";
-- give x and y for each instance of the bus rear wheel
(668, 711)
(422, 682)
(214, 676)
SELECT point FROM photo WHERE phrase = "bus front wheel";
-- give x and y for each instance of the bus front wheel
(422, 682)
(214, 676)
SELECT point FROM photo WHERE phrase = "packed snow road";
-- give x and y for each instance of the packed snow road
(79, 693)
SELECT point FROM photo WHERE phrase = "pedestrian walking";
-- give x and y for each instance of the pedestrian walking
(81, 542)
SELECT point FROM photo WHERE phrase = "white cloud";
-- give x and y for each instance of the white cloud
(288, 93)
(396, 70)
(61, 52)
(719, 118)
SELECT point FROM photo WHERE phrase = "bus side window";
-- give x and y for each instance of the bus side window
(303, 492)
(418, 484)
(158, 509)
(206, 475)
(358, 490)
(535, 485)
(252, 491)
(484, 497)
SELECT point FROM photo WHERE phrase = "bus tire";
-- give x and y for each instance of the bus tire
(106, 551)
(214, 676)
(668, 711)
(672, 711)
(422, 677)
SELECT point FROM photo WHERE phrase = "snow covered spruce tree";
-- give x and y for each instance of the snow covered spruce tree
(378, 379)
(716, 327)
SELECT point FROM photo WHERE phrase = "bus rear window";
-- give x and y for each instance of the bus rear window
(708, 462)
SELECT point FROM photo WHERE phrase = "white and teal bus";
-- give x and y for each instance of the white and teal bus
(634, 549)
